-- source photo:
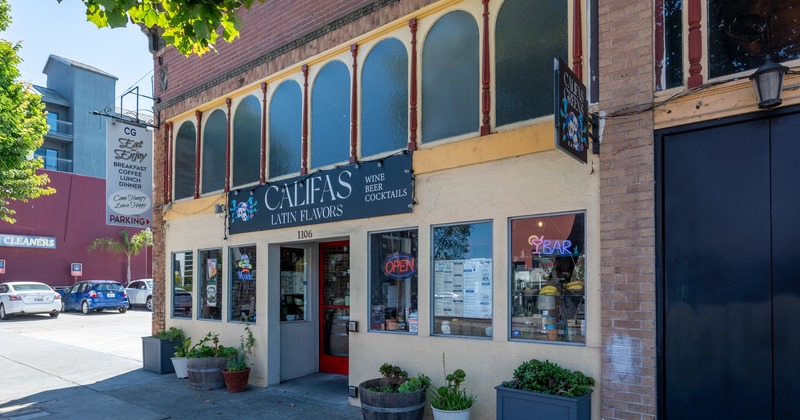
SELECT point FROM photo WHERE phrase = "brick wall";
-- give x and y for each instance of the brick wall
(627, 386)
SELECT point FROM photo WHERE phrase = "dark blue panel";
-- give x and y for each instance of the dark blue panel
(384, 99)
(215, 136)
(247, 142)
(185, 156)
(450, 78)
(717, 291)
(330, 116)
(285, 129)
(529, 36)
(785, 257)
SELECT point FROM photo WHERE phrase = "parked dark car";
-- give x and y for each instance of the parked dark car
(95, 295)
(182, 300)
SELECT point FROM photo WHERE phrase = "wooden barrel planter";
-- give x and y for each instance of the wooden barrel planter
(339, 338)
(206, 372)
(390, 406)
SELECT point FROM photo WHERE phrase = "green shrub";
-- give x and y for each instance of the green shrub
(239, 361)
(171, 334)
(397, 380)
(550, 378)
(203, 349)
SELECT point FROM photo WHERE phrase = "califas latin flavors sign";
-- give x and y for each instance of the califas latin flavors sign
(129, 175)
(356, 191)
(572, 112)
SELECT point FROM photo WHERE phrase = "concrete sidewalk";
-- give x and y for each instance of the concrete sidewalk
(68, 382)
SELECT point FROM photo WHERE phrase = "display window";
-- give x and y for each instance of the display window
(294, 284)
(548, 263)
(242, 263)
(393, 281)
(462, 279)
(182, 284)
(209, 282)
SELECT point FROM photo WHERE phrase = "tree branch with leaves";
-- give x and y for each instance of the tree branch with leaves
(191, 26)
(22, 128)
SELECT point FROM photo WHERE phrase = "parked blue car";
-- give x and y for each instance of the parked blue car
(95, 295)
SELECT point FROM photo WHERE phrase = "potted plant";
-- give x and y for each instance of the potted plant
(179, 358)
(545, 390)
(393, 396)
(450, 401)
(205, 362)
(157, 350)
(236, 372)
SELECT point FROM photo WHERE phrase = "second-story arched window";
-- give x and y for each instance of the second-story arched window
(215, 135)
(247, 142)
(384, 98)
(285, 129)
(450, 78)
(330, 115)
(185, 155)
(529, 36)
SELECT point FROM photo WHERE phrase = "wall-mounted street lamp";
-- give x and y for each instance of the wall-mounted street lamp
(768, 82)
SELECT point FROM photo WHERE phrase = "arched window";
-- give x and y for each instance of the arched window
(450, 78)
(330, 115)
(185, 155)
(384, 98)
(247, 142)
(528, 36)
(285, 124)
(215, 134)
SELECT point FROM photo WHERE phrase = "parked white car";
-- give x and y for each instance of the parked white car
(28, 297)
(140, 292)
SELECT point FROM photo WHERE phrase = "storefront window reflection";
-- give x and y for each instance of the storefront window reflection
(462, 279)
(547, 278)
(182, 280)
(243, 284)
(293, 284)
(209, 284)
(393, 281)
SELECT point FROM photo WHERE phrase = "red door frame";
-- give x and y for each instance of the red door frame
(329, 363)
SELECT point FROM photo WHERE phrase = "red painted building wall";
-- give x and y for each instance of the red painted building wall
(74, 215)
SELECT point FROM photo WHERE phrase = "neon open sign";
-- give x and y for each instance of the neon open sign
(400, 266)
(548, 247)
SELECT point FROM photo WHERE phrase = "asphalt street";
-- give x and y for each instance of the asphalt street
(90, 367)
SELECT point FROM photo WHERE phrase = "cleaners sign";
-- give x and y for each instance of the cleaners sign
(356, 191)
(129, 175)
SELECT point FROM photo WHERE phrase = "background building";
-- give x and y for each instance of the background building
(74, 158)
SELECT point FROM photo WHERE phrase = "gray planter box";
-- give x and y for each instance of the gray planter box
(518, 404)
(157, 355)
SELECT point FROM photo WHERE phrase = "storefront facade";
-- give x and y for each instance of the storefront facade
(389, 192)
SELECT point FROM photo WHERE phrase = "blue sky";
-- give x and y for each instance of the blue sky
(47, 27)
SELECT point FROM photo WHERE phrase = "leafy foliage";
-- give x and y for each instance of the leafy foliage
(246, 342)
(192, 26)
(22, 128)
(129, 245)
(183, 349)
(209, 347)
(452, 397)
(397, 380)
(170, 334)
(550, 378)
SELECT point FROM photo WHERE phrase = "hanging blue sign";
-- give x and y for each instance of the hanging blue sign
(571, 111)
(355, 191)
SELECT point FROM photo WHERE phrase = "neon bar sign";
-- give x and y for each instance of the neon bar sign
(548, 247)
(400, 266)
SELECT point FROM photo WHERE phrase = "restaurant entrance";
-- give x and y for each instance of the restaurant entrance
(334, 306)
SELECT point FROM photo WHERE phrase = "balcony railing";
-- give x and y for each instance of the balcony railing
(63, 128)
(56, 164)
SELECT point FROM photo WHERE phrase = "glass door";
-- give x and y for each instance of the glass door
(334, 305)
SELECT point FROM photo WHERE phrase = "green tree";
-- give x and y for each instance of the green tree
(190, 25)
(22, 128)
(129, 245)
